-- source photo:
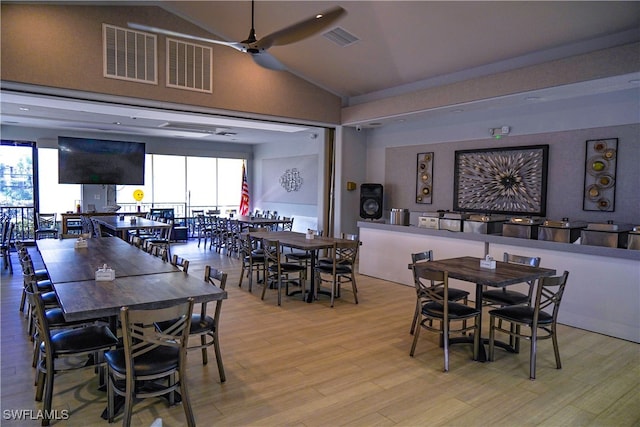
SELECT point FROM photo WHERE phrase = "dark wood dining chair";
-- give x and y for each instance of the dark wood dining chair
(206, 325)
(71, 345)
(340, 270)
(502, 297)
(252, 258)
(432, 291)
(279, 272)
(154, 354)
(539, 319)
(454, 293)
(46, 226)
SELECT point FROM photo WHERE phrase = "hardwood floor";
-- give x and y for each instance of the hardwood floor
(310, 365)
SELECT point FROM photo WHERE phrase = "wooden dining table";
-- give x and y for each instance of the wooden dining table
(67, 264)
(468, 269)
(121, 225)
(250, 221)
(90, 299)
(297, 240)
(141, 280)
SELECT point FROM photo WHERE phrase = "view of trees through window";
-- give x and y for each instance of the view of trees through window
(182, 182)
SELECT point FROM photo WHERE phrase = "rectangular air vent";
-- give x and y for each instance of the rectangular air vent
(341, 37)
(129, 55)
(189, 66)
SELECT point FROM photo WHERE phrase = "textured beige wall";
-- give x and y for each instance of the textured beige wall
(60, 46)
(595, 65)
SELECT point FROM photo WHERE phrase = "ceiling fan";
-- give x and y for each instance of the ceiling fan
(258, 48)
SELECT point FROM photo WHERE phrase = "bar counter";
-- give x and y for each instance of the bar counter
(603, 289)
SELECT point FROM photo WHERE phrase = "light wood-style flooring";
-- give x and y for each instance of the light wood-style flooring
(311, 365)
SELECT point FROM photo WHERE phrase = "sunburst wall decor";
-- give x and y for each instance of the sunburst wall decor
(511, 180)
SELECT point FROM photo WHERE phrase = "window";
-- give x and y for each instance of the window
(185, 183)
(16, 174)
(202, 173)
(229, 183)
(54, 197)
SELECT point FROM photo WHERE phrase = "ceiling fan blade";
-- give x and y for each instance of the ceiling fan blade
(266, 60)
(238, 46)
(301, 30)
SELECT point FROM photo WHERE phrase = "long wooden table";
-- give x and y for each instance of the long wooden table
(296, 240)
(66, 264)
(90, 299)
(260, 222)
(142, 280)
(122, 226)
(468, 269)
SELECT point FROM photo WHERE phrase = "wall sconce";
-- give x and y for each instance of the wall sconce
(351, 186)
(498, 133)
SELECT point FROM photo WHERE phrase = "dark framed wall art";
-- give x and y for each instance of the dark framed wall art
(600, 175)
(509, 180)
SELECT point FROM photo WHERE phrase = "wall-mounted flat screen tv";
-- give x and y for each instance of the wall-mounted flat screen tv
(98, 161)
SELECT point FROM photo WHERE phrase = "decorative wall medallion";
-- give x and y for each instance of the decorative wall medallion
(600, 175)
(291, 180)
(424, 178)
(509, 180)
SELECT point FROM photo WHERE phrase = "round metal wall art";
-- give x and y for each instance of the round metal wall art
(291, 180)
(600, 174)
(424, 179)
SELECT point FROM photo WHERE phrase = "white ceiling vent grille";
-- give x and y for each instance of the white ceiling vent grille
(189, 66)
(341, 37)
(129, 55)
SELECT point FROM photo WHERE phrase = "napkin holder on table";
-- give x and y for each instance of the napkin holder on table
(309, 235)
(105, 274)
(80, 243)
(488, 262)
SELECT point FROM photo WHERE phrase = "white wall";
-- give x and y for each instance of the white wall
(305, 215)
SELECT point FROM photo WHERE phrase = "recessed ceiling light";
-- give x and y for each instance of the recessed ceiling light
(457, 110)
(532, 98)
(634, 81)
(117, 123)
(24, 109)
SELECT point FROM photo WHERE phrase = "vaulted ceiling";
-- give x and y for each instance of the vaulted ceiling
(400, 46)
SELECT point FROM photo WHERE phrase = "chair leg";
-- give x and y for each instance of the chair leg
(355, 288)
(22, 301)
(40, 381)
(532, 357)
(492, 335)
(556, 350)
(216, 347)
(186, 402)
(415, 339)
(445, 337)
(334, 286)
(242, 273)
(48, 392)
(203, 342)
(128, 407)
(111, 395)
(264, 286)
(279, 290)
(416, 313)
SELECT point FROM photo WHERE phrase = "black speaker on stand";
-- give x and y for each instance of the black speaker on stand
(371, 201)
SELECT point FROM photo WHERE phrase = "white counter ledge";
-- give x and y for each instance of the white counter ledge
(603, 289)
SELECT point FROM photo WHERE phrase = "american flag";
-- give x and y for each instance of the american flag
(244, 199)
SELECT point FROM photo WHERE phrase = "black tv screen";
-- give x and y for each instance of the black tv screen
(98, 161)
